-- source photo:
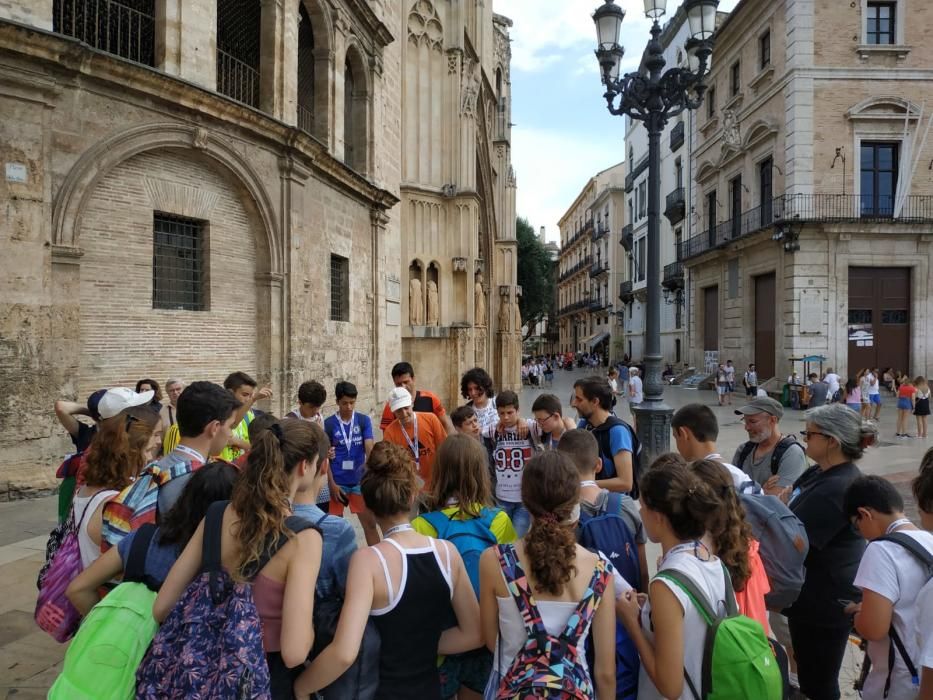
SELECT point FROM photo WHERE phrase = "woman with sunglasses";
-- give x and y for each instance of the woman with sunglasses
(819, 626)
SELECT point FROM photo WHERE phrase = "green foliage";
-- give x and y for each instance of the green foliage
(537, 277)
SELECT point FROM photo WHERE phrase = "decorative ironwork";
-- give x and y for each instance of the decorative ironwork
(178, 272)
(673, 277)
(238, 50)
(677, 136)
(305, 71)
(125, 29)
(675, 206)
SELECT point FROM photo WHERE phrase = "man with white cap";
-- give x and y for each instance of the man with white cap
(120, 398)
(419, 433)
(771, 459)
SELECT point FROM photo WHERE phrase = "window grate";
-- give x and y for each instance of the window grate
(238, 49)
(178, 270)
(339, 288)
(125, 29)
(305, 71)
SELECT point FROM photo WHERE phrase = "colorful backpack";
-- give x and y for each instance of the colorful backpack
(54, 612)
(548, 666)
(101, 660)
(738, 660)
(471, 537)
(210, 645)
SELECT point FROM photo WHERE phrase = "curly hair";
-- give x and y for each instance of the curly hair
(550, 491)
(389, 484)
(688, 502)
(261, 495)
(118, 452)
(212, 482)
(731, 533)
(481, 378)
(461, 473)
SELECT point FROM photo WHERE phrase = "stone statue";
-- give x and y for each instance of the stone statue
(479, 302)
(433, 310)
(504, 314)
(517, 315)
(415, 303)
(731, 134)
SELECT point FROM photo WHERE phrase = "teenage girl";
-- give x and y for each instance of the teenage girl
(212, 482)
(118, 453)
(415, 587)
(461, 489)
(864, 384)
(559, 573)
(668, 631)
(921, 405)
(906, 393)
(853, 395)
(282, 461)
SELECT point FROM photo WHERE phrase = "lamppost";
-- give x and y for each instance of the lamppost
(653, 98)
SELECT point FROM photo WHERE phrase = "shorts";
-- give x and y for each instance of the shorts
(875, 399)
(903, 403)
(751, 391)
(722, 389)
(355, 503)
(470, 670)
(731, 387)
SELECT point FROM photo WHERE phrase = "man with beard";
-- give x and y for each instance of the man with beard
(771, 459)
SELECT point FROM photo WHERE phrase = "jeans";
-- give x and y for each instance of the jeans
(819, 651)
(520, 517)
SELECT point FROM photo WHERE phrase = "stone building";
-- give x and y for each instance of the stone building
(196, 187)
(590, 266)
(813, 197)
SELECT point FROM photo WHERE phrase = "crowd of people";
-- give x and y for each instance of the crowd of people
(505, 549)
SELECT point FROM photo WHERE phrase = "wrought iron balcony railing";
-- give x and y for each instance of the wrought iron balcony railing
(110, 26)
(677, 136)
(675, 205)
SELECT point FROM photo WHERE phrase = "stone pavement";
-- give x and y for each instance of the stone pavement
(30, 659)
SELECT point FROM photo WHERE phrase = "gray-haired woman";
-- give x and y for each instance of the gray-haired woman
(819, 627)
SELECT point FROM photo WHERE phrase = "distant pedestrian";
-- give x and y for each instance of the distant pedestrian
(636, 393)
(722, 384)
(819, 391)
(852, 395)
(905, 406)
(730, 381)
(833, 380)
(750, 381)
(922, 405)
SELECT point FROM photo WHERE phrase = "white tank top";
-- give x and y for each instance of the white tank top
(84, 508)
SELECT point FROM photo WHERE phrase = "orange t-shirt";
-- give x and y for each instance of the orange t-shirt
(425, 402)
(431, 434)
(751, 600)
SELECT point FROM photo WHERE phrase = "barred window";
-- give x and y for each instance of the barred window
(178, 263)
(125, 28)
(339, 288)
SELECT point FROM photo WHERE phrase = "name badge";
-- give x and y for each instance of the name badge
(348, 465)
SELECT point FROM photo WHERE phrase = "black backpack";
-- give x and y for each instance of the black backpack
(601, 433)
(783, 445)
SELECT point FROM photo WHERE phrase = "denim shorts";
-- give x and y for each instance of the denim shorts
(903, 403)
(875, 399)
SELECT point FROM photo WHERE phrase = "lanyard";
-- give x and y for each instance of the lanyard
(896, 524)
(194, 454)
(347, 440)
(588, 482)
(395, 529)
(684, 547)
(413, 445)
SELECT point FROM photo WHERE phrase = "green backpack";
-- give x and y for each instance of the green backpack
(101, 661)
(738, 661)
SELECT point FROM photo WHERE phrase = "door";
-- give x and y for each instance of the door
(879, 318)
(765, 326)
(710, 327)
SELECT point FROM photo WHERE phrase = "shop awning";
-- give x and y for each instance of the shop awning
(597, 339)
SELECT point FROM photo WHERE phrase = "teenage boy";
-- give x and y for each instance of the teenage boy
(890, 575)
(874, 392)
(771, 459)
(750, 380)
(696, 430)
(583, 449)
(420, 433)
(819, 390)
(549, 416)
(423, 401)
(476, 386)
(465, 421)
(311, 397)
(244, 390)
(509, 452)
(206, 414)
(593, 400)
(351, 437)
(922, 487)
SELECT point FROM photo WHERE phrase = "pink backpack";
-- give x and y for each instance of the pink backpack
(54, 612)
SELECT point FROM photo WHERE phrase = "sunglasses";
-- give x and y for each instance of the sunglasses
(807, 433)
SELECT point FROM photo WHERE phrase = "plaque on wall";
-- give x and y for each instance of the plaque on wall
(811, 311)
(393, 289)
(393, 313)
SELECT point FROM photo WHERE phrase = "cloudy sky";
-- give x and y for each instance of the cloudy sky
(563, 133)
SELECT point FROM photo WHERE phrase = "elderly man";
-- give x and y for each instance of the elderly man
(169, 412)
(773, 460)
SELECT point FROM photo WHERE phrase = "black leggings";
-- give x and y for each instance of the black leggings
(818, 651)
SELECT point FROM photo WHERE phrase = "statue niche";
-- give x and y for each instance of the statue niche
(433, 307)
(479, 302)
(415, 294)
(505, 314)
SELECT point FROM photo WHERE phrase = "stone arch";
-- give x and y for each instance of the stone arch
(357, 109)
(705, 170)
(884, 107)
(758, 132)
(424, 25)
(71, 198)
(315, 68)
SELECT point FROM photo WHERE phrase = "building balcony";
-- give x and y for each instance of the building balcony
(808, 208)
(673, 277)
(599, 231)
(675, 206)
(582, 265)
(627, 238)
(635, 169)
(598, 306)
(587, 227)
(677, 136)
(625, 292)
(599, 268)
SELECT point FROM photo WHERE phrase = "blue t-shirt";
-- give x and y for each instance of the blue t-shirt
(339, 545)
(159, 558)
(347, 464)
(619, 439)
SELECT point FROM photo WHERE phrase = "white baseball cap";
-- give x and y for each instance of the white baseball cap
(120, 398)
(399, 398)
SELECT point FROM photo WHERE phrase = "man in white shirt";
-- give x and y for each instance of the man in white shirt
(890, 576)
(874, 393)
(923, 628)
(833, 380)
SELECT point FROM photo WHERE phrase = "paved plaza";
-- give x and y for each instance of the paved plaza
(30, 659)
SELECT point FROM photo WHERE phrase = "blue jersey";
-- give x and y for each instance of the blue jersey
(619, 439)
(349, 453)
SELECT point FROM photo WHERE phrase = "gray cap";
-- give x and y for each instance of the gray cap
(762, 404)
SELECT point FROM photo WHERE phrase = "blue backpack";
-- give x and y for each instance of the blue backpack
(471, 537)
(607, 532)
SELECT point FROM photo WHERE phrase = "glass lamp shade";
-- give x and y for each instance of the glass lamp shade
(655, 8)
(695, 48)
(608, 20)
(610, 61)
(701, 16)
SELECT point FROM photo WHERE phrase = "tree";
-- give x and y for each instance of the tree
(536, 275)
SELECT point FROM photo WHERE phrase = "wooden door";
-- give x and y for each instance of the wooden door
(879, 318)
(765, 325)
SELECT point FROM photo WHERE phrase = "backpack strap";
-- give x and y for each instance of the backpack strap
(920, 552)
(784, 444)
(747, 448)
(439, 521)
(213, 531)
(517, 582)
(699, 598)
(135, 568)
(586, 608)
(296, 524)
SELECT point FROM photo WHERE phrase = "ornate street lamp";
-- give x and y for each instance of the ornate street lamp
(654, 97)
